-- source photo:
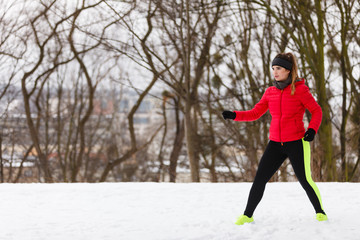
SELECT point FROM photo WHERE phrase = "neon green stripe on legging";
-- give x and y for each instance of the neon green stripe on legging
(307, 158)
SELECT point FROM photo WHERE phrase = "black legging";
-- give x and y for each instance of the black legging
(274, 155)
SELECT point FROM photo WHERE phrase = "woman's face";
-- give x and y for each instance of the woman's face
(280, 73)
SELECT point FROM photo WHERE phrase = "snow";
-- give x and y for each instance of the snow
(173, 211)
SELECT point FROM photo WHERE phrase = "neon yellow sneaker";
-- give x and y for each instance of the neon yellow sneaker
(244, 219)
(321, 217)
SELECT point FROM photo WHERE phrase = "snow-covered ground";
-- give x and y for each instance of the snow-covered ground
(169, 211)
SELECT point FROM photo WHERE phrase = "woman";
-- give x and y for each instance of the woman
(286, 101)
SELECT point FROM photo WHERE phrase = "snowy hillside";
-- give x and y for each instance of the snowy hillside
(173, 211)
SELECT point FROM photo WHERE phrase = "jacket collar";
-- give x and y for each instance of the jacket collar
(284, 84)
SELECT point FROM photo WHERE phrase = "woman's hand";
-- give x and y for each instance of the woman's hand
(309, 135)
(229, 115)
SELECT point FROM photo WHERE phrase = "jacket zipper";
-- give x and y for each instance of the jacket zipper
(280, 116)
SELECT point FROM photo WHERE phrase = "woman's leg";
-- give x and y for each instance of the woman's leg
(299, 155)
(269, 164)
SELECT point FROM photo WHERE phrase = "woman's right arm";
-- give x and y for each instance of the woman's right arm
(251, 115)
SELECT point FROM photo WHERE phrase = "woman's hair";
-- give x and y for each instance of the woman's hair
(294, 69)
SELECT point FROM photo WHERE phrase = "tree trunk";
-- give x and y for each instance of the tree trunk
(44, 166)
(325, 131)
(161, 171)
(191, 144)
(178, 142)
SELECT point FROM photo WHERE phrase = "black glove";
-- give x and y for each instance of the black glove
(309, 135)
(229, 115)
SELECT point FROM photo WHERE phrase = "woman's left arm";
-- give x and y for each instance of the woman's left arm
(310, 103)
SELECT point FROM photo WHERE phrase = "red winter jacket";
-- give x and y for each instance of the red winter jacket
(287, 112)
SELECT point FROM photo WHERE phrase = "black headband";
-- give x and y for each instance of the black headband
(282, 62)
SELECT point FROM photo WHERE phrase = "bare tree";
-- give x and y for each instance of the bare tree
(340, 53)
(39, 80)
(182, 23)
(51, 36)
